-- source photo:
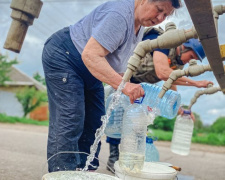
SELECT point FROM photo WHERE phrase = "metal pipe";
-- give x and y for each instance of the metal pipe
(192, 70)
(209, 90)
(23, 14)
(170, 39)
(217, 11)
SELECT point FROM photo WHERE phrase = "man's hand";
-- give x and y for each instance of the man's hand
(192, 116)
(134, 91)
(181, 112)
(203, 83)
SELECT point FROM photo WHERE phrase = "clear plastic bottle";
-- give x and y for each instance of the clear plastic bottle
(168, 106)
(114, 126)
(108, 90)
(133, 138)
(151, 152)
(182, 134)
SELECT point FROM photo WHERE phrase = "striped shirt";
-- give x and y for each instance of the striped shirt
(112, 25)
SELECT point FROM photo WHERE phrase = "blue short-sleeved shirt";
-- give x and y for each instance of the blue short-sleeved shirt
(112, 25)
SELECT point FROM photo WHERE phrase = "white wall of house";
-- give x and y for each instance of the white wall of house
(9, 104)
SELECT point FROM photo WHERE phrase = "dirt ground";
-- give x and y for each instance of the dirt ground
(44, 129)
(23, 156)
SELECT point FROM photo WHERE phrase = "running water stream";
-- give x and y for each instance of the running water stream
(100, 131)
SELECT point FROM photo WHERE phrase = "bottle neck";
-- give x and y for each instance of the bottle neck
(149, 140)
(186, 112)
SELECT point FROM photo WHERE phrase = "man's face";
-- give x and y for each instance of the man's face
(153, 13)
(187, 56)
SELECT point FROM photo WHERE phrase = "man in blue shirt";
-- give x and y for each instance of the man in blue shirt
(157, 66)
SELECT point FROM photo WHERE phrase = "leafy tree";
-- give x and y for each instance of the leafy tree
(219, 125)
(39, 78)
(198, 122)
(213, 139)
(30, 98)
(163, 123)
(5, 68)
(168, 124)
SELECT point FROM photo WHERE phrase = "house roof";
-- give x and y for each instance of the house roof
(18, 78)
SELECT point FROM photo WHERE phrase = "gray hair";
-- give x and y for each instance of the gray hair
(175, 3)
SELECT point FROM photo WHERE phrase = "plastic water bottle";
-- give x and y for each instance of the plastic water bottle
(133, 138)
(168, 106)
(108, 90)
(114, 126)
(182, 134)
(151, 152)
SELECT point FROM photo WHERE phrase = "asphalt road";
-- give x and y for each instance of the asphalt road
(23, 156)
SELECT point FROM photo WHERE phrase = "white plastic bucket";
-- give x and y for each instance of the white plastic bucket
(77, 175)
(150, 171)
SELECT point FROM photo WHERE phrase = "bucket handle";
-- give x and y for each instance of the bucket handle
(74, 152)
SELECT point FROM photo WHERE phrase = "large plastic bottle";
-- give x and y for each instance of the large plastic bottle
(114, 126)
(133, 138)
(151, 152)
(168, 106)
(108, 90)
(182, 134)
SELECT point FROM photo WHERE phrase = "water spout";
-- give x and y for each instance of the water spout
(192, 70)
(209, 90)
(170, 39)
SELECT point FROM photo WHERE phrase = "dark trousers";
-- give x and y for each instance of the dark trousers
(114, 141)
(76, 103)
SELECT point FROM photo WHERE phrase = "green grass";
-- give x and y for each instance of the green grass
(201, 138)
(198, 137)
(11, 119)
(209, 138)
(162, 135)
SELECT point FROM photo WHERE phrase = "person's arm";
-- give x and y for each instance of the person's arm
(188, 82)
(94, 58)
(163, 72)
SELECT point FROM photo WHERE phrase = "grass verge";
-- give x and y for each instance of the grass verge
(201, 138)
(11, 119)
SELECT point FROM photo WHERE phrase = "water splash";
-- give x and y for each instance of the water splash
(100, 131)
(78, 175)
(153, 112)
(72, 152)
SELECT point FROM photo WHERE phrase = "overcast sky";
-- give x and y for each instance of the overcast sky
(56, 14)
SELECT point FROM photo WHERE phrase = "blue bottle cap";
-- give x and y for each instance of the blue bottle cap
(187, 112)
(149, 140)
